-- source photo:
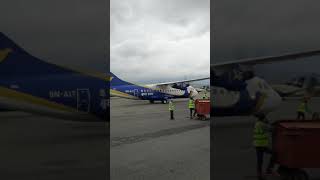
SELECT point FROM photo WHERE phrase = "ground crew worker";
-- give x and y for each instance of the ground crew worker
(261, 144)
(302, 109)
(171, 109)
(191, 106)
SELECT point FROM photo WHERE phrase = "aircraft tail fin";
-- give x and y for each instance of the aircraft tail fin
(15, 61)
(115, 81)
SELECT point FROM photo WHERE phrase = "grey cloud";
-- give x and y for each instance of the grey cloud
(251, 28)
(155, 40)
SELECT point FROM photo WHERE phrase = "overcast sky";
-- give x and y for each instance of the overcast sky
(160, 40)
(250, 28)
(72, 33)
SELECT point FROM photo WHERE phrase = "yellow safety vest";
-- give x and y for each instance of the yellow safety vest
(191, 104)
(171, 106)
(260, 137)
(302, 107)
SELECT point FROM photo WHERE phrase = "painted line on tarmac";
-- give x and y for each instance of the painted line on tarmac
(118, 141)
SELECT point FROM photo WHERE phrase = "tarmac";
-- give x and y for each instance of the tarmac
(42, 148)
(233, 156)
(146, 145)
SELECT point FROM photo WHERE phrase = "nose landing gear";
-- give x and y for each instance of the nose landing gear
(164, 101)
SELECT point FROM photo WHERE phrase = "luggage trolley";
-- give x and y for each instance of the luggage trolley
(202, 108)
(296, 146)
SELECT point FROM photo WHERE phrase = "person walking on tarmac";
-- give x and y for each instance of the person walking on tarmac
(261, 144)
(171, 109)
(191, 106)
(303, 109)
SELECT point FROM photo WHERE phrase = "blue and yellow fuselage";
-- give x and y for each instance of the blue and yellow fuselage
(30, 84)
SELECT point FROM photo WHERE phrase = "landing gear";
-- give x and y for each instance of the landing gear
(164, 101)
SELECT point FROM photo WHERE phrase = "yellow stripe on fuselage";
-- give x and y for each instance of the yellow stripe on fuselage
(4, 53)
(15, 95)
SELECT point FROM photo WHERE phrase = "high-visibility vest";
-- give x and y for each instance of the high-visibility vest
(302, 107)
(260, 137)
(191, 104)
(171, 106)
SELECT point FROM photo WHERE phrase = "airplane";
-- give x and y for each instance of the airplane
(32, 85)
(153, 92)
(301, 86)
(237, 91)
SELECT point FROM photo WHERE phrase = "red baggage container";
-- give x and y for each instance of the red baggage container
(296, 143)
(202, 106)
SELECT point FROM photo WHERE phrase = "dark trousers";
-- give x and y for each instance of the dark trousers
(300, 115)
(194, 112)
(260, 153)
(171, 115)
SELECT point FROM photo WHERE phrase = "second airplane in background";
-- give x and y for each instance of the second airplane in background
(153, 92)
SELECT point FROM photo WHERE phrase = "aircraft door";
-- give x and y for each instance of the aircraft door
(136, 92)
(83, 100)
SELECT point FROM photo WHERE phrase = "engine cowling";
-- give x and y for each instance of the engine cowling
(192, 91)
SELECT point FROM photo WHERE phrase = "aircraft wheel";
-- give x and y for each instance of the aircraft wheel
(151, 101)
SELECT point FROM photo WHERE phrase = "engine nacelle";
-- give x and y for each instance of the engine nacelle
(192, 91)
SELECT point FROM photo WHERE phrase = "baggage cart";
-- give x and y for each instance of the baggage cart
(202, 108)
(296, 146)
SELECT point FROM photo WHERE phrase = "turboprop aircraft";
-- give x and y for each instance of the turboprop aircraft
(153, 92)
(301, 86)
(33, 85)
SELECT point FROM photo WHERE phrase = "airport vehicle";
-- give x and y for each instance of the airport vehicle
(153, 92)
(237, 91)
(32, 85)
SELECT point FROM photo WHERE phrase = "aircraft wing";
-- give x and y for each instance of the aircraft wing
(183, 81)
(269, 59)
